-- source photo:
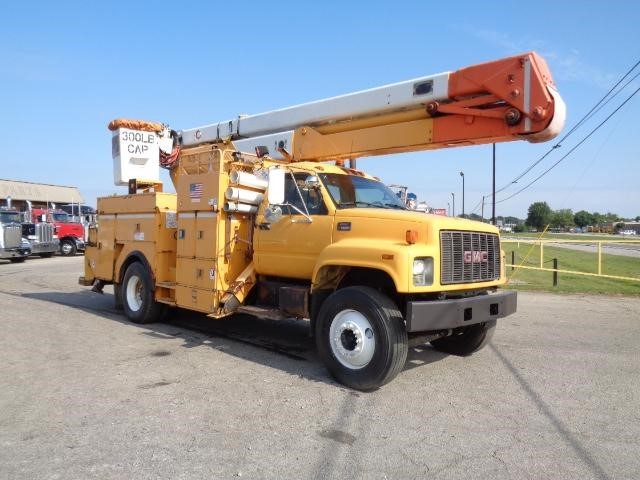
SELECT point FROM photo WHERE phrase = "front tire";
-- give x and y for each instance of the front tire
(138, 297)
(68, 248)
(361, 338)
(467, 341)
(17, 259)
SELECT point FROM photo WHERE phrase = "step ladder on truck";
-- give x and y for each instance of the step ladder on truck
(272, 218)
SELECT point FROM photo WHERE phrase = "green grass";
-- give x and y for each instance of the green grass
(525, 279)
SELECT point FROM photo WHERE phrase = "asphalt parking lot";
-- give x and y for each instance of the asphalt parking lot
(84, 394)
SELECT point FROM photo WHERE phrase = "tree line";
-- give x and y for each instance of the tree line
(539, 215)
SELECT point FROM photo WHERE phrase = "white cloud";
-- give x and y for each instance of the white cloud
(566, 66)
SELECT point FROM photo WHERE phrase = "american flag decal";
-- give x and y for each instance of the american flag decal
(195, 191)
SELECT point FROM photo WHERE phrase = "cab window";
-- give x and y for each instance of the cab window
(302, 196)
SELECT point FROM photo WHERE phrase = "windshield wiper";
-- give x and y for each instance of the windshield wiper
(395, 206)
(360, 203)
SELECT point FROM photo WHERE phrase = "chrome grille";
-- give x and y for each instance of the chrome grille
(44, 232)
(469, 257)
(12, 236)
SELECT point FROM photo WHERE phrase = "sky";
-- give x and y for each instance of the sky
(68, 68)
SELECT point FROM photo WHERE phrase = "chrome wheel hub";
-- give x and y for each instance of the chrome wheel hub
(352, 339)
(134, 293)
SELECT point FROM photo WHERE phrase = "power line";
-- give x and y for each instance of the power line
(572, 149)
(586, 117)
(595, 107)
(613, 96)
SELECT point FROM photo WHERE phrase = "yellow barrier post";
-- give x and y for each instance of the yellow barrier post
(599, 258)
(599, 244)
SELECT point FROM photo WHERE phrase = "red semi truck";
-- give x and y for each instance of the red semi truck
(70, 233)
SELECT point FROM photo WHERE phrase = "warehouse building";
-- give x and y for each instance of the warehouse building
(39, 194)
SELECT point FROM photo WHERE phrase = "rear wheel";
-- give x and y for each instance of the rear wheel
(68, 247)
(467, 341)
(138, 297)
(361, 337)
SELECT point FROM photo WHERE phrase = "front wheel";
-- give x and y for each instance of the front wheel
(68, 248)
(467, 341)
(17, 259)
(138, 297)
(361, 338)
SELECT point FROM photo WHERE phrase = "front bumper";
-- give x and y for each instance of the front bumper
(15, 252)
(44, 247)
(460, 312)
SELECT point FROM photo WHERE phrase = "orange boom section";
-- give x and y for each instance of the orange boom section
(499, 101)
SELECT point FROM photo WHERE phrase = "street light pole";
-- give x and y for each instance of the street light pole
(453, 196)
(482, 214)
(462, 175)
(449, 208)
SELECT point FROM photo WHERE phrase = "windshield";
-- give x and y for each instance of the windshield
(350, 191)
(9, 217)
(61, 217)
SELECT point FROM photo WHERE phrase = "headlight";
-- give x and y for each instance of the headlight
(418, 267)
(422, 271)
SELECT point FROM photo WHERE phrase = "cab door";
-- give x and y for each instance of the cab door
(290, 246)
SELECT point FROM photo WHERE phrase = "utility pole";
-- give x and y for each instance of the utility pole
(462, 175)
(482, 214)
(493, 210)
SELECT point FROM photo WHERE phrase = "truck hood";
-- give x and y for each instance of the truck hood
(65, 229)
(436, 222)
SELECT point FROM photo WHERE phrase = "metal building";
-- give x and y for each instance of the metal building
(39, 194)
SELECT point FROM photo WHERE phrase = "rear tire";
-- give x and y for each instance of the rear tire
(68, 248)
(361, 338)
(138, 296)
(468, 341)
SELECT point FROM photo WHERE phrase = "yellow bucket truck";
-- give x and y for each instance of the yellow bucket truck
(271, 217)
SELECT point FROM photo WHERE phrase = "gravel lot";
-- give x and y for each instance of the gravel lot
(84, 394)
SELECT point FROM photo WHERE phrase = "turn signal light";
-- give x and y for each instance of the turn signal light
(411, 236)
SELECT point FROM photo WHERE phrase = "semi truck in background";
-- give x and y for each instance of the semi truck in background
(13, 246)
(269, 220)
(70, 234)
(83, 214)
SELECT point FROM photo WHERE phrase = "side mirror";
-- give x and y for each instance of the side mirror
(272, 214)
(275, 190)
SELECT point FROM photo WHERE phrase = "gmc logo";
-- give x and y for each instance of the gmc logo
(475, 256)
